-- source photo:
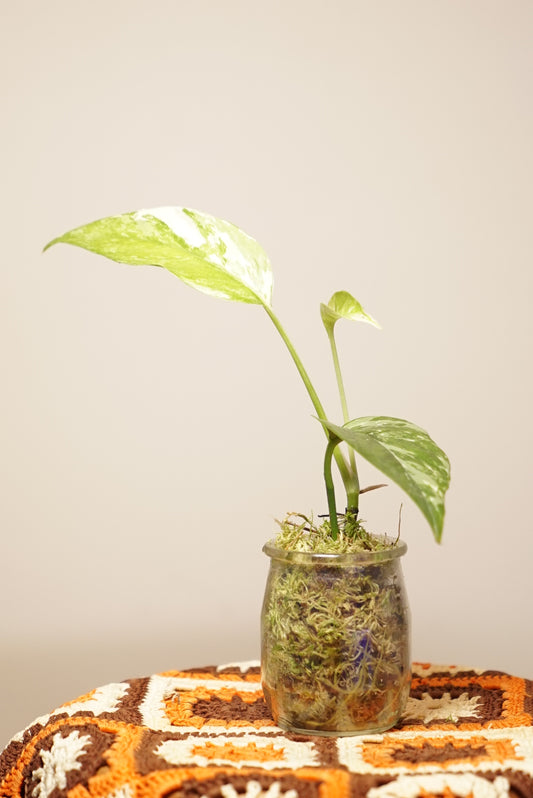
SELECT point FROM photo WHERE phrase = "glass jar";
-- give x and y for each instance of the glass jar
(335, 640)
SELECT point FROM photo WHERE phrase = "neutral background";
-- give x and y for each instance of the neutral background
(150, 435)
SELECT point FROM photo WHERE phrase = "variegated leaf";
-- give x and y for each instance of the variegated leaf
(207, 253)
(406, 454)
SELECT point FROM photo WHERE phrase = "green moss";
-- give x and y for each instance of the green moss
(300, 533)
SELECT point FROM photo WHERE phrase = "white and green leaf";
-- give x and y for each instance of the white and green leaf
(207, 253)
(343, 305)
(406, 454)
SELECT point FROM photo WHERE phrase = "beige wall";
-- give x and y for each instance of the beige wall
(151, 434)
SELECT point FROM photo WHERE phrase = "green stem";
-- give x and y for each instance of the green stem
(342, 392)
(350, 480)
(338, 374)
(317, 404)
(330, 487)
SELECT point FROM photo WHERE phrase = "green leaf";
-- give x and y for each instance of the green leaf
(406, 454)
(343, 305)
(207, 253)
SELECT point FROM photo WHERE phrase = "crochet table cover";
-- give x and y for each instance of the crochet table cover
(207, 732)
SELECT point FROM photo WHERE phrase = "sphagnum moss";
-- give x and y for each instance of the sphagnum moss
(298, 532)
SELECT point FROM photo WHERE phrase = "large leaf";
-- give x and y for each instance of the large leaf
(406, 454)
(207, 253)
(343, 305)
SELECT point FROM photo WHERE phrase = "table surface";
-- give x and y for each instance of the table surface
(207, 732)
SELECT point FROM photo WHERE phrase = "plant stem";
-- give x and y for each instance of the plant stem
(330, 487)
(342, 392)
(317, 404)
(349, 479)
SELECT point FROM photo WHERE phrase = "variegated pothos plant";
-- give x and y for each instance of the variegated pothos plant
(218, 258)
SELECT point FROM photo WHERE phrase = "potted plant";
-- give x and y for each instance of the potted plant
(335, 620)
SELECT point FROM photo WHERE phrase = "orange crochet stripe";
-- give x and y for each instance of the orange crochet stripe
(478, 749)
(334, 783)
(222, 677)
(239, 753)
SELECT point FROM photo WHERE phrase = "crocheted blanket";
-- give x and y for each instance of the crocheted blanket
(207, 732)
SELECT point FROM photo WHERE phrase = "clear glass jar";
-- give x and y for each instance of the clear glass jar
(335, 641)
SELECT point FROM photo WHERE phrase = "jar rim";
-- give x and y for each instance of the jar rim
(394, 551)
